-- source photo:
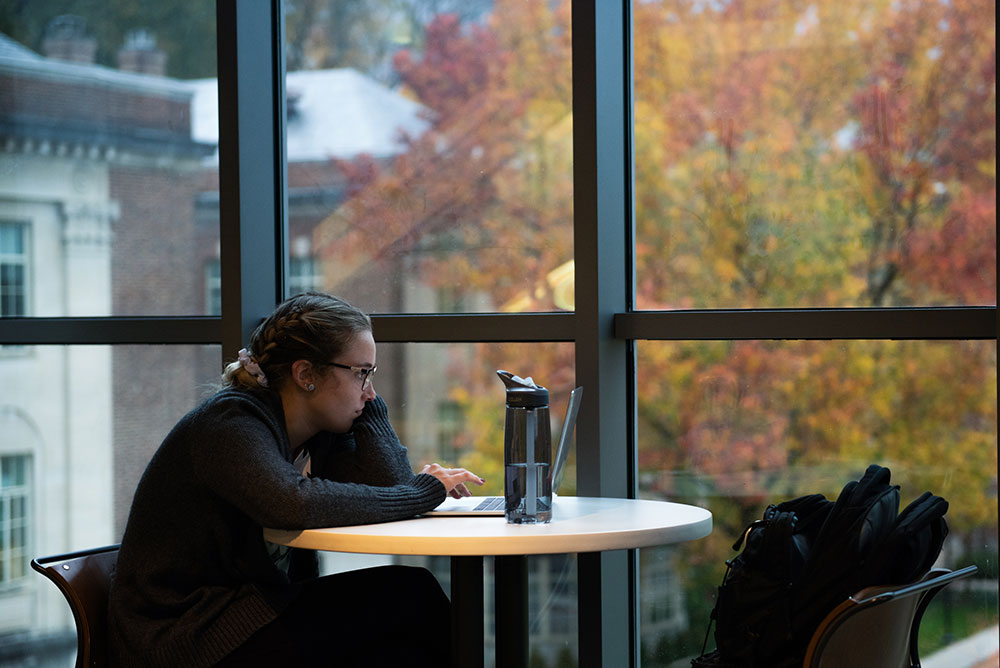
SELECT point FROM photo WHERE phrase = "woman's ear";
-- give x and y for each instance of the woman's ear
(304, 375)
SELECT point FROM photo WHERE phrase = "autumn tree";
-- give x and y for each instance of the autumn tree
(788, 154)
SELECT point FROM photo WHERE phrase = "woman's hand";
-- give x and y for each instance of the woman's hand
(454, 480)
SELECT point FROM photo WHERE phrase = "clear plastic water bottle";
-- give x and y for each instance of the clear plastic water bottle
(527, 451)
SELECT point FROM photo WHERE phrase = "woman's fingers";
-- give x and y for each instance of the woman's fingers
(454, 480)
(460, 490)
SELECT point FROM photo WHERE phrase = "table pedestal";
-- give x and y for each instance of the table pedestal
(510, 611)
(467, 612)
(511, 592)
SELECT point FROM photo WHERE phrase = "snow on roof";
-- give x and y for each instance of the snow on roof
(339, 113)
(15, 51)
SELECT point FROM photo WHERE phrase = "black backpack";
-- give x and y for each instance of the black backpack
(806, 556)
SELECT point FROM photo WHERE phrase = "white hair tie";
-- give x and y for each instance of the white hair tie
(246, 361)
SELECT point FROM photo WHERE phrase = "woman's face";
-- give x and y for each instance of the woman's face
(339, 396)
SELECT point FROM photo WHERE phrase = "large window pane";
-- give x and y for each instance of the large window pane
(447, 404)
(733, 426)
(99, 166)
(79, 424)
(815, 153)
(430, 153)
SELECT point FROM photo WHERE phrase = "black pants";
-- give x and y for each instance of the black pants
(384, 616)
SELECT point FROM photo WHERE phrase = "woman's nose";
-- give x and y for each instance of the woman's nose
(369, 393)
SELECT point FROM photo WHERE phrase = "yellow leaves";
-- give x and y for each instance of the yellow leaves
(686, 264)
(726, 270)
(919, 407)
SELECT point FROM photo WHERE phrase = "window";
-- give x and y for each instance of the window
(734, 426)
(463, 178)
(802, 157)
(105, 144)
(806, 155)
(301, 275)
(767, 241)
(449, 423)
(13, 270)
(213, 288)
(15, 519)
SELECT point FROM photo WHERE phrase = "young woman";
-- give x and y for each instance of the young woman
(295, 439)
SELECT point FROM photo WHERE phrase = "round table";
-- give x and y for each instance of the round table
(579, 525)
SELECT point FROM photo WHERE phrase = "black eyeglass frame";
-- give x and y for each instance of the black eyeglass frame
(365, 373)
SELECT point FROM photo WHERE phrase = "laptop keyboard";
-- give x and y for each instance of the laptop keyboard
(490, 503)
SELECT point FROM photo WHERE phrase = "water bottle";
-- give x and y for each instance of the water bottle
(527, 451)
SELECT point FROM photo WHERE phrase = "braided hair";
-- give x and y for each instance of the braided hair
(312, 326)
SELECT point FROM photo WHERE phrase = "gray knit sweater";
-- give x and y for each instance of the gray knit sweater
(194, 579)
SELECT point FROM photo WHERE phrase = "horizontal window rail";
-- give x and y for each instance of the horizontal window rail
(815, 324)
(111, 330)
(952, 323)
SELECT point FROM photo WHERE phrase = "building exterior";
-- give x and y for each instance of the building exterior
(85, 152)
(109, 207)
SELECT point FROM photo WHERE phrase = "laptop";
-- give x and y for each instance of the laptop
(494, 505)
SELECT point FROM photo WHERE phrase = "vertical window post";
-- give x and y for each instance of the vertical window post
(602, 163)
(252, 165)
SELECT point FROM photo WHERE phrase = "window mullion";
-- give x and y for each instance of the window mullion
(603, 219)
(252, 182)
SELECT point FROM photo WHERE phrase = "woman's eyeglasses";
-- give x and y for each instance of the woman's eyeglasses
(363, 373)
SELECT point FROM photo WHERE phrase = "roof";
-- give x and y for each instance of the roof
(15, 50)
(19, 60)
(339, 113)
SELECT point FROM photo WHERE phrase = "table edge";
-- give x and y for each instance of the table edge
(458, 546)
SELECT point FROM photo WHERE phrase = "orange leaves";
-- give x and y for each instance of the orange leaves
(746, 415)
(482, 202)
(959, 257)
(459, 63)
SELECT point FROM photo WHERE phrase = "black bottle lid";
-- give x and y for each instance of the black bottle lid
(523, 392)
(527, 397)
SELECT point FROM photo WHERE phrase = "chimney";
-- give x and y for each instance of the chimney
(66, 39)
(140, 54)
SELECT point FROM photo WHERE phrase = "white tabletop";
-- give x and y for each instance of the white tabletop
(579, 524)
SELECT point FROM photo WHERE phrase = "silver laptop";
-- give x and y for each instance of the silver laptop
(494, 505)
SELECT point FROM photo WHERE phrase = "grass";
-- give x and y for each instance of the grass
(955, 614)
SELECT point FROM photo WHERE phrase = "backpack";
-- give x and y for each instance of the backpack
(807, 555)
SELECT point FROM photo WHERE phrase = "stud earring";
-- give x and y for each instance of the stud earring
(310, 387)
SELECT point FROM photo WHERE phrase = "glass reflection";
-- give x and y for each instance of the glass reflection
(447, 405)
(103, 169)
(430, 153)
(734, 426)
(79, 425)
(815, 153)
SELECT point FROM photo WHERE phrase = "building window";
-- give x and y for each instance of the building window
(450, 427)
(301, 278)
(14, 521)
(302, 275)
(13, 270)
(213, 288)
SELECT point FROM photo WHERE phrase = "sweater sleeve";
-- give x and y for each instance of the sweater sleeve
(371, 454)
(242, 460)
